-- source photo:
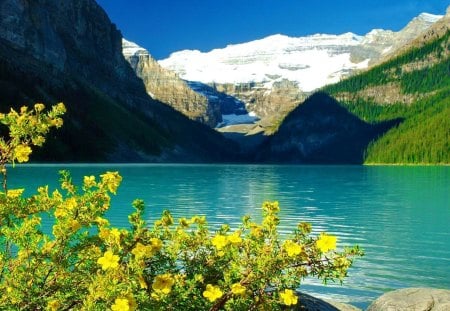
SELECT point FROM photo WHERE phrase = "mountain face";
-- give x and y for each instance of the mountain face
(69, 51)
(167, 87)
(321, 131)
(256, 69)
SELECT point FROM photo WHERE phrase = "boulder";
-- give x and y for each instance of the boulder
(413, 299)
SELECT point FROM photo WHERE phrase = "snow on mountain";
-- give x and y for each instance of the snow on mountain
(311, 61)
(130, 48)
(307, 60)
(429, 18)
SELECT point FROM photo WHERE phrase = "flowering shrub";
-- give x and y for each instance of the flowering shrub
(86, 264)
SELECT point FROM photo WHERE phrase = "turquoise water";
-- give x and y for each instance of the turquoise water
(399, 215)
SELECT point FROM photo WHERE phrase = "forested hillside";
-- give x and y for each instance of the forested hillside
(414, 87)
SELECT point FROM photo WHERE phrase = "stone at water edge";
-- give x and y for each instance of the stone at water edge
(413, 299)
(310, 303)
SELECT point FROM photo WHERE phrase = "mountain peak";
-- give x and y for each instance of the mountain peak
(429, 18)
(130, 48)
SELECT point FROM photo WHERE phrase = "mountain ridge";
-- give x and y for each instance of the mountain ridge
(52, 51)
(253, 71)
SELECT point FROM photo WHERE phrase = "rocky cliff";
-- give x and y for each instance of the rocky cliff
(69, 51)
(271, 105)
(165, 86)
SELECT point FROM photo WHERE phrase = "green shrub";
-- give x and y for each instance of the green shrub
(86, 264)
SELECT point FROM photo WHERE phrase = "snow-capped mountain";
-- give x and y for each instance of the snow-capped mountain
(311, 61)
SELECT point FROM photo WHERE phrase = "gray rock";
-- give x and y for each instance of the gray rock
(310, 303)
(413, 299)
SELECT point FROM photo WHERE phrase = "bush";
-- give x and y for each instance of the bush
(86, 264)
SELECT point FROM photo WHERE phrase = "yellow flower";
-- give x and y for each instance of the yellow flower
(198, 278)
(57, 122)
(235, 238)
(141, 250)
(39, 107)
(115, 235)
(238, 289)
(219, 241)
(256, 231)
(212, 293)
(89, 182)
(121, 304)
(292, 248)
(271, 207)
(163, 283)
(157, 244)
(71, 203)
(184, 223)
(288, 297)
(101, 221)
(60, 213)
(47, 247)
(60, 108)
(199, 220)
(104, 233)
(111, 180)
(53, 305)
(109, 261)
(167, 219)
(22, 153)
(326, 242)
(38, 140)
(342, 262)
(14, 193)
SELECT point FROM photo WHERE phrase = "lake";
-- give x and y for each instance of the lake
(399, 215)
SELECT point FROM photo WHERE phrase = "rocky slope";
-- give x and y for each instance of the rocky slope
(69, 51)
(258, 72)
(165, 86)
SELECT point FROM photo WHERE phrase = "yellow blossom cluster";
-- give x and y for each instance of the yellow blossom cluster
(220, 241)
(145, 251)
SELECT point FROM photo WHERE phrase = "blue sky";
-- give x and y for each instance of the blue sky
(166, 26)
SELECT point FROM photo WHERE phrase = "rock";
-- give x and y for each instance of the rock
(413, 299)
(310, 303)
(165, 86)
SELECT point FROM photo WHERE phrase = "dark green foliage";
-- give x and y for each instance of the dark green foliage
(427, 79)
(424, 137)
